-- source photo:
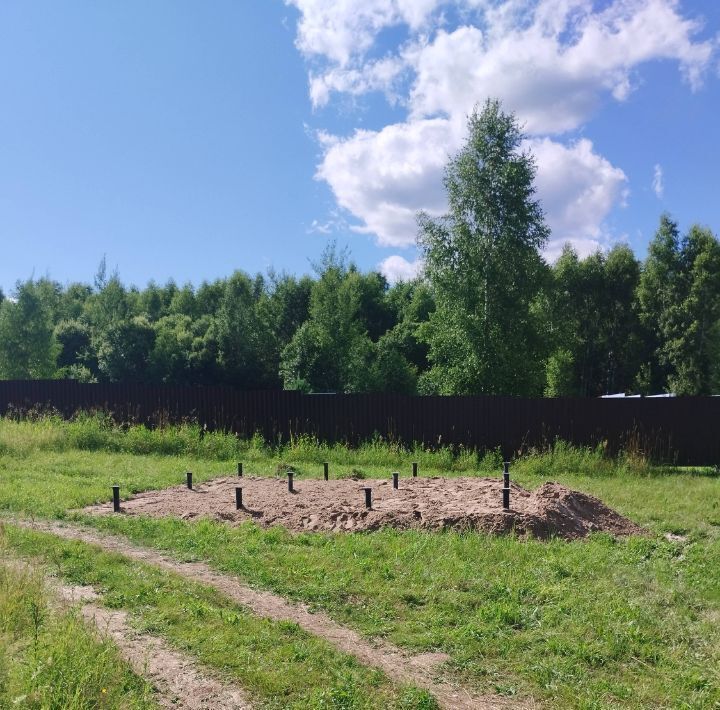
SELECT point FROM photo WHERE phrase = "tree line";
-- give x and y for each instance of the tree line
(488, 315)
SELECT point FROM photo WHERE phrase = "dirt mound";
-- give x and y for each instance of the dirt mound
(421, 503)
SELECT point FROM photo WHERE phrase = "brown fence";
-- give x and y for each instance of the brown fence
(682, 430)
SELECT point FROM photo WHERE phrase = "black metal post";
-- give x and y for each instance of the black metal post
(116, 499)
(326, 470)
(414, 469)
(240, 471)
(189, 479)
(290, 475)
(395, 476)
(506, 474)
(368, 498)
(506, 498)
(238, 498)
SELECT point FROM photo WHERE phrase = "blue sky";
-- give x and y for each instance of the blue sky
(185, 140)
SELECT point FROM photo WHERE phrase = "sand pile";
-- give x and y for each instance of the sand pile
(423, 503)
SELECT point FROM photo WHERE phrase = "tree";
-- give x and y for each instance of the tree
(72, 301)
(172, 349)
(592, 323)
(412, 303)
(75, 343)
(27, 346)
(109, 305)
(679, 295)
(124, 350)
(483, 262)
(622, 339)
(330, 351)
(283, 307)
(390, 370)
(244, 339)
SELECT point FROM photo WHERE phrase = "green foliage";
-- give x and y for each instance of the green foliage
(592, 323)
(331, 351)
(28, 349)
(76, 349)
(124, 349)
(244, 339)
(559, 372)
(483, 262)
(487, 316)
(679, 296)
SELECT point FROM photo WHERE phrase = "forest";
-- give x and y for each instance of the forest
(488, 314)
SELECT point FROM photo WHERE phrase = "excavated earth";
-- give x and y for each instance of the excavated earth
(420, 503)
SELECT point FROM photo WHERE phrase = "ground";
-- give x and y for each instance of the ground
(600, 622)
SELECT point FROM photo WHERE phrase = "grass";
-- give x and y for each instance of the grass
(21, 437)
(49, 659)
(277, 662)
(633, 621)
(593, 624)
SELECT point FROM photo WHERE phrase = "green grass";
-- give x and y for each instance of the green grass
(49, 659)
(632, 621)
(21, 437)
(277, 662)
(592, 624)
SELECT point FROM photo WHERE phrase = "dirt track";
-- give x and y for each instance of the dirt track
(423, 503)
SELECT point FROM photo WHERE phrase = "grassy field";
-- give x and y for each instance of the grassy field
(592, 624)
(49, 659)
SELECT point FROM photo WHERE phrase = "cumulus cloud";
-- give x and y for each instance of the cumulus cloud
(551, 62)
(341, 30)
(578, 188)
(658, 183)
(385, 177)
(396, 268)
(553, 83)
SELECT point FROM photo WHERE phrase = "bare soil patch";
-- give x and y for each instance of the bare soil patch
(421, 503)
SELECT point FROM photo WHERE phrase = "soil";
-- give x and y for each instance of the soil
(422, 670)
(421, 503)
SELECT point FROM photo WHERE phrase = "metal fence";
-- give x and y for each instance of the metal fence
(683, 430)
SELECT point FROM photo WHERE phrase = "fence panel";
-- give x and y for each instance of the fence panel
(684, 430)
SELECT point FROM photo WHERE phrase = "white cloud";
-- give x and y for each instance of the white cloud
(385, 177)
(658, 183)
(578, 188)
(378, 75)
(396, 268)
(340, 30)
(551, 62)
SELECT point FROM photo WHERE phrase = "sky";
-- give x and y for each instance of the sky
(183, 140)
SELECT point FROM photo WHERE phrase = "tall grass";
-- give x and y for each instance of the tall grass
(50, 659)
(97, 432)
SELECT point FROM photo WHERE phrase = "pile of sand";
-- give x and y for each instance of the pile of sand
(422, 503)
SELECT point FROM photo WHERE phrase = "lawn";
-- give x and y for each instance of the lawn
(597, 623)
